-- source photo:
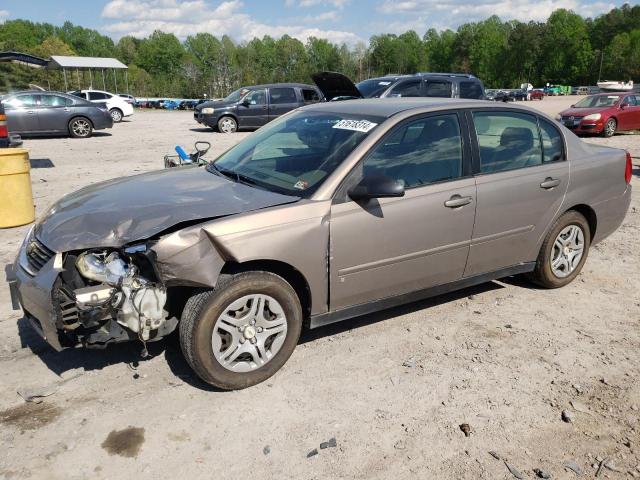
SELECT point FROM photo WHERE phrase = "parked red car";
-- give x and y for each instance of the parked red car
(536, 94)
(605, 114)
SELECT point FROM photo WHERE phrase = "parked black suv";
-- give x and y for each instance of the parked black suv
(336, 86)
(252, 107)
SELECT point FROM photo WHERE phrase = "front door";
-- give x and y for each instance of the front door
(22, 113)
(281, 101)
(386, 247)
(629, 116)
(252, 109)
(522, 176)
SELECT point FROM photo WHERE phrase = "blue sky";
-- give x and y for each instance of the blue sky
(338, 20)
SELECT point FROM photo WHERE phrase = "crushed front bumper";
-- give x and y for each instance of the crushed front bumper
(34, 294)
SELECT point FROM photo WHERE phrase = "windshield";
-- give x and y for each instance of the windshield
(373, 88)
(234, 97)
(598, 101)
(296, 153)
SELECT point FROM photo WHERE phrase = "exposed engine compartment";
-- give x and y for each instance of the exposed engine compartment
(109, 296)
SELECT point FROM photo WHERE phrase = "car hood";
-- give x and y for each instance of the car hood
(215, 104)
(582, 112)
(333, 85)
(124, 210)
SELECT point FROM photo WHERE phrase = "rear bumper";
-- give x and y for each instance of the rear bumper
(611, 214)
(127, 110)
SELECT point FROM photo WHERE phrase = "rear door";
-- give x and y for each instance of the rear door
(521, 175)
(281, 101)
(391, 246)
(54, 113)
(22, 113)
(437, 87)
(253, 109)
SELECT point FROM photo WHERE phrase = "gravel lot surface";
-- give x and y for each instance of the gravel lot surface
(393, 388)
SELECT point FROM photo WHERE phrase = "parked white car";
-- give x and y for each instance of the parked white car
(118, 106)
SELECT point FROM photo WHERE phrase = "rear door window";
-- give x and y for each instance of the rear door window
(507, 141)
(470, 89)
(97, 96)
(310, 96)
(55, 101)
(282, 95)
(552, 144)
(438, 88)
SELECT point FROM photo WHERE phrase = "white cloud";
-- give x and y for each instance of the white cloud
(461, 12)
(3, 15)
(314, 3)
(188, 17)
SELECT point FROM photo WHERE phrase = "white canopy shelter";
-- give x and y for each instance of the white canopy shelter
(64, 63)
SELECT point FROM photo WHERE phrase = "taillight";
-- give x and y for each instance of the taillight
(4, 132)
(627, 169)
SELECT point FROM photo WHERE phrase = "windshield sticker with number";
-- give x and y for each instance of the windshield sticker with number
(356, 125)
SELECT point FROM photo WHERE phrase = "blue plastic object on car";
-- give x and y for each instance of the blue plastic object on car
(184, 156)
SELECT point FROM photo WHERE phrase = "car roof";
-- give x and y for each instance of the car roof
(39, 92)
(276, 85)
(604, 94)
(386, 78)
(388, 107)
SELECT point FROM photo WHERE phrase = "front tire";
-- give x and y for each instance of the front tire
(116, 115)
(243, 331)
(610, 128)
(563, 252)
(80, 127)
(227, 125)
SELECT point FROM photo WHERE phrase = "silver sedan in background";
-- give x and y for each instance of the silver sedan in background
(36, 113)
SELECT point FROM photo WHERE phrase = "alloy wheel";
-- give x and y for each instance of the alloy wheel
(81, 127)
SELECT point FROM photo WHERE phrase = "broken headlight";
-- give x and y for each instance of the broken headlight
(101, 267)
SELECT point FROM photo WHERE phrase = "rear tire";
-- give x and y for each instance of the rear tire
(610, 128)
(80, 127)
(243, 331)
(563, 252)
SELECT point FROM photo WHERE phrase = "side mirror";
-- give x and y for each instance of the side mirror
(376, 187)
(573, 106)
(245, 102)
(624, 105)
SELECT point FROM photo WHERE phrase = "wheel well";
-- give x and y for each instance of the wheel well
(286, 271)
(230, 115)
(588, 213)
(116, 108)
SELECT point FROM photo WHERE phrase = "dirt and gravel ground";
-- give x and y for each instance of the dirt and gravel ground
(392, 388)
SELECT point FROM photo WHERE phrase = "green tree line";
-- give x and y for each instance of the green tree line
(566, 49)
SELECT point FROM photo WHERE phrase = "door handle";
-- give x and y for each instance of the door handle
(31, 112)
(457, 201)
(550, 183)
(66, 109)
(264, 108)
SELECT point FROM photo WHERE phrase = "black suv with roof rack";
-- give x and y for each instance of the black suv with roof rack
(336, 86)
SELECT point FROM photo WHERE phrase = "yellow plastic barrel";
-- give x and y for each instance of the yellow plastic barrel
(16, 199)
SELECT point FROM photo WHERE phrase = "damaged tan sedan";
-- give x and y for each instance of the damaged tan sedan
(332, 211)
